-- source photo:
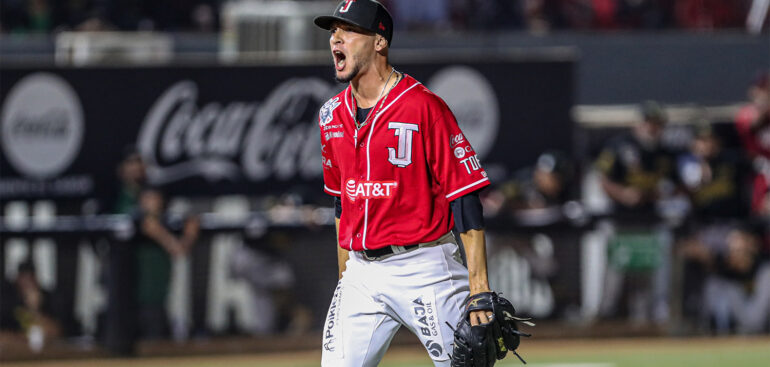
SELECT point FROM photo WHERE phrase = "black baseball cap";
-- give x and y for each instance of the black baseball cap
(367, 14)
(653, 112)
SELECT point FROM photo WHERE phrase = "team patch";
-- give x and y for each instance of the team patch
(428, 326)
(370, 189)
(326, 116)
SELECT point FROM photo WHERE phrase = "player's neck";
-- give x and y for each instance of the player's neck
(369, 85)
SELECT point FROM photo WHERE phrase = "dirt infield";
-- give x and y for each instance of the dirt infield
(542, 353)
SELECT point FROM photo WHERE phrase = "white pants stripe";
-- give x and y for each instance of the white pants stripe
(422, 289)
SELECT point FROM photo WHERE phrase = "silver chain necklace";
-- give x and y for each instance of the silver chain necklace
(366, 120)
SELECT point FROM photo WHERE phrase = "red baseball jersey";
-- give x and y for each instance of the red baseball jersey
(397, 174)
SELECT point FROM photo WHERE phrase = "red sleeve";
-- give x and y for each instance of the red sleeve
(331, 170)
(452, 160)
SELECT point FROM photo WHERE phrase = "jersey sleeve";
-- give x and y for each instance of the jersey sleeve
(452, 160)
(331, 171)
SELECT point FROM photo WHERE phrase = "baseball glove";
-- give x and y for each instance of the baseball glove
(483, 345)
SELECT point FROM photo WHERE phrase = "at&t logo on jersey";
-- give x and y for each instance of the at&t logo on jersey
(370, 189)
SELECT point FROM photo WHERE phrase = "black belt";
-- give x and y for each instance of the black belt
(387, 250)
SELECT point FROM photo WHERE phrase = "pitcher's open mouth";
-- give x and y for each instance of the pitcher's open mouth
(339, 60)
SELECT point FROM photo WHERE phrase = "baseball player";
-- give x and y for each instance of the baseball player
(396, 161)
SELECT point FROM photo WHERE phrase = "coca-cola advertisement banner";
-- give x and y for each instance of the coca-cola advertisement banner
(217, 130)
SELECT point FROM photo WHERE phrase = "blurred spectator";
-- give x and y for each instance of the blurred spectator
(42, 16)
(753, 125)
(155, 246)
(736, 291)
(710, 14)
(636, 168)
(133, 175)
(26, 310)
(713, 178)
(549, 183)
(646, 14)
(753, 119)
(425, 14)
(27, 16)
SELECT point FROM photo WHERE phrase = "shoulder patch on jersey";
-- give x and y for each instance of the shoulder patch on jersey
(326, 116)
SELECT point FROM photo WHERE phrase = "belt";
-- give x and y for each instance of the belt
(386, 251)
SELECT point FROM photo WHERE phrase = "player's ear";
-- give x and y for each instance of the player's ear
(380, 43)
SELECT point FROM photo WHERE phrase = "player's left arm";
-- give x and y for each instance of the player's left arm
(475, 247)
(457, 168)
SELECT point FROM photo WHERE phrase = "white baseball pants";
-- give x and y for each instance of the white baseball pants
(423, 289)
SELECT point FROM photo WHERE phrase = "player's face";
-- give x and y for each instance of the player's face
(352, 48)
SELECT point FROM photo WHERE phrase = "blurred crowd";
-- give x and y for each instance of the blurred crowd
(46, 16)
(687, 231)
(43, 16)
(542, 15)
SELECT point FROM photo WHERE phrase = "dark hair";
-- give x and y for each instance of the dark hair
(653, 112)
(26, 267)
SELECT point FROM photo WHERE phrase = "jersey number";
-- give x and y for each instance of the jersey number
(404, 131)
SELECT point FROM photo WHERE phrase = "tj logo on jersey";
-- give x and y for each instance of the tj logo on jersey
(370, 189)
(404, 131)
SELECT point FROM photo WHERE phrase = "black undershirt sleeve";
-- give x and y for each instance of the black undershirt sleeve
(337, 207)
(468, 212)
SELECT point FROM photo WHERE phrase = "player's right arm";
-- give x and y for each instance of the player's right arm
(607, 164)
(332, 177)
(342, 254)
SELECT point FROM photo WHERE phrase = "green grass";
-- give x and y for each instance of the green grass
(715, 358)
(705, 352)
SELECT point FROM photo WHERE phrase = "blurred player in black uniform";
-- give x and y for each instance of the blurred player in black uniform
(635, 167)
(637, 173)
(546, 184)
(736, 286)
(714, 178)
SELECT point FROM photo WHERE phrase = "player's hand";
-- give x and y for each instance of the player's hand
(480, 317)
(631, 196)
